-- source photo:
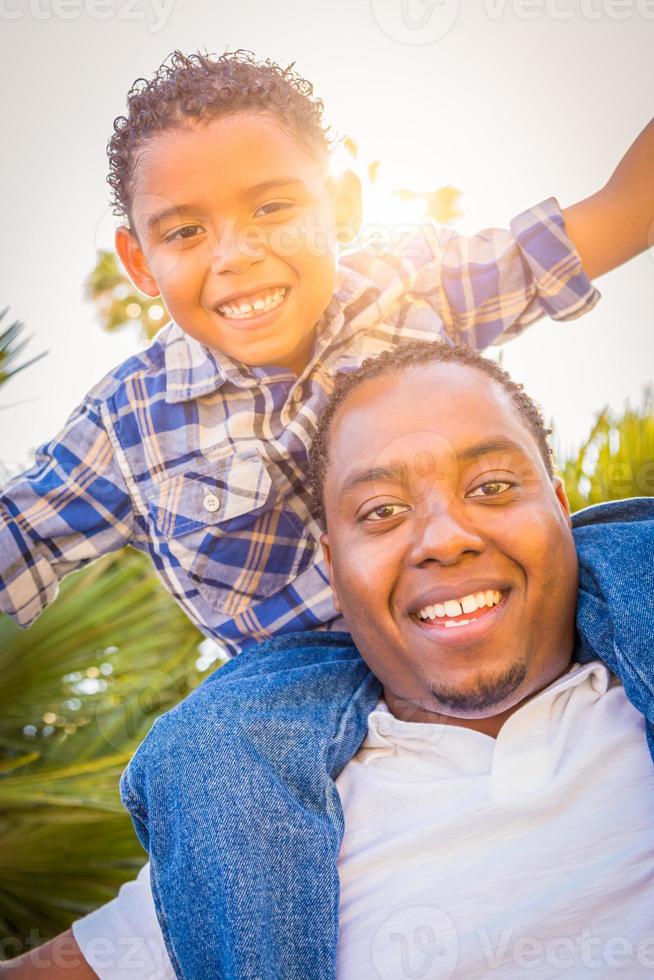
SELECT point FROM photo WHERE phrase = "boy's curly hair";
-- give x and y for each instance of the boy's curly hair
(416, 354)
(203, 86)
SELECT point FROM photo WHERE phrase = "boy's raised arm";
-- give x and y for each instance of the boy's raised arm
(489, 287)
(617, 223)
(70, 508)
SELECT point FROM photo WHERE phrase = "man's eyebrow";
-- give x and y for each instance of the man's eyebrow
(398, 472)
(388, 474)
(499, 445)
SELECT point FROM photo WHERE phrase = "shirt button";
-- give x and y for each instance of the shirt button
(211, 503)
(297, 395)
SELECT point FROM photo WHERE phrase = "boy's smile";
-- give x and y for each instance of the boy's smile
(236, 225)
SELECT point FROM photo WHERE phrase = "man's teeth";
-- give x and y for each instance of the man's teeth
(261, 302)
(456, 607)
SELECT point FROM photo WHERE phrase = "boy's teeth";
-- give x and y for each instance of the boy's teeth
(265, 301)
(452, 608)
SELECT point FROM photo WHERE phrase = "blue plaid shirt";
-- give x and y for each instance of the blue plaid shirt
(201, 462)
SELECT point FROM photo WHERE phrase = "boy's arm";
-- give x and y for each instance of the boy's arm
(489, 287)
(70, 508)
(58, 959)
(617, 223)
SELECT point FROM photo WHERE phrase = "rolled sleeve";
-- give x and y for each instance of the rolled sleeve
(70, 508)
(563, 289)
(487, 288)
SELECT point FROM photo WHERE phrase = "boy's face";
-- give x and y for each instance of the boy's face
(236, 225)
(448, 545)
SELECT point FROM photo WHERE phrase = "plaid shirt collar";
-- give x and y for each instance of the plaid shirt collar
(193, 369)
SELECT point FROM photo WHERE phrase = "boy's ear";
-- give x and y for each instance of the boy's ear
(327, 555)
(136, 265)
(347, 201)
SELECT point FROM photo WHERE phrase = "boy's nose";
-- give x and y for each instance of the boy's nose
(236, 251)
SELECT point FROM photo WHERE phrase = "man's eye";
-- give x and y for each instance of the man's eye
(182, 234)
(384, 511)
(492, 488)
(271, 208)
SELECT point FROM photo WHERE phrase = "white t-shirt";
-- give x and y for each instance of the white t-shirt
(529, 855)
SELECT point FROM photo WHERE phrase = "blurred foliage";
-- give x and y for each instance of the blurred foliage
(79, 691)
(616, 460)
(441, 205)
(12, 345)
(118, 302)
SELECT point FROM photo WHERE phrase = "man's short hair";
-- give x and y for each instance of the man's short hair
(402, 359)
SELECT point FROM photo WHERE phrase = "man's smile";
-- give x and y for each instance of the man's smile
(464, 620)
(451, 611)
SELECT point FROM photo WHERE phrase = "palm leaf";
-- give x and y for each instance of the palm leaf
(81, 689)
(11, 348)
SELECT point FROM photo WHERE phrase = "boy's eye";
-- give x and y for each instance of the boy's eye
(492, 488)
(182, 234)
(271, 207)
(383, 511)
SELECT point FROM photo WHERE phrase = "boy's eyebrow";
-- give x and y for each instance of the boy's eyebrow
(171, 212)
(397, 472)
(267, 185)
(181, 209)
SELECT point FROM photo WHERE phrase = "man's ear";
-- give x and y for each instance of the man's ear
(327, 554)
(346, 188)
(135, 263)
(562, 497)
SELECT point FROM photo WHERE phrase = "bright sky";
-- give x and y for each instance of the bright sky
(510, 100)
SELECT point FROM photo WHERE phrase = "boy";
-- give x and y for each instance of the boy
(196, 449)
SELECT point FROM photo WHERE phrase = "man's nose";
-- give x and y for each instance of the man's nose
(443, 534)
(236, 250)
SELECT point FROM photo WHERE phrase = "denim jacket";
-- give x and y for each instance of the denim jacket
(233, 793)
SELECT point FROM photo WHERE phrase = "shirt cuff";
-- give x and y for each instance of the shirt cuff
(122, 940)
(564, 290)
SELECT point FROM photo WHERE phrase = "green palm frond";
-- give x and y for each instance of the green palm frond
(80, 690)
(616, 460)
(12, 345)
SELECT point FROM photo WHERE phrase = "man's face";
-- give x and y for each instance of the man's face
(235, 226)
(448, 544)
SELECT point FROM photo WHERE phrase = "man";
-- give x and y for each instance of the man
(497, 814)
(478, 823)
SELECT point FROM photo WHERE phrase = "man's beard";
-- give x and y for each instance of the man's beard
(484, 692)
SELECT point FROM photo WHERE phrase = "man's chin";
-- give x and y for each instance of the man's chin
(486, 693)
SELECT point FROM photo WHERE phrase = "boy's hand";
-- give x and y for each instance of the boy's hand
(617, 222)
(59, 959)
